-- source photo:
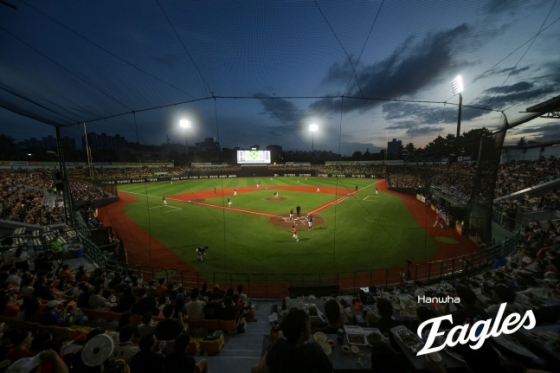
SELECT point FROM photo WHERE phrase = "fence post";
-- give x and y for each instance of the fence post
(429, 271)
(386, 278)
(416, 272)
(452, 266)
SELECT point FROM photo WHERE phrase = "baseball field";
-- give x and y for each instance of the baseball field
(357, 225)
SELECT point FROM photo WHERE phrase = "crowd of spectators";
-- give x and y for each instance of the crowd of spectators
(29, 196)
(52, 294)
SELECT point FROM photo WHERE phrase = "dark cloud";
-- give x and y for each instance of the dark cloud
(414, 129)
(502, 101)
(542, 133)
(501, 6)
(281, 110)
(517, 87)
(422, 113)
(408, 70)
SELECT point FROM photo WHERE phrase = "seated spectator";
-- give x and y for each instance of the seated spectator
(229, 311)
(125, 349)
(83, 298)
(384, 359)
(503, 294)
(147, 360)
(179, 361)
(213, 307)
(332, 312)
(147, 326)
(293, 352)
(161, 287)
(65, 272)
(21, 343)
(96, 300)
(195, 308)
(126, 301)
(144, 304)
(386, 321)
(30, 309)
(21, 260)
(14, 278)
(9, 305)
(169, 328)
(124, 320)
(51, 315)
(181, 294)
(468, 309)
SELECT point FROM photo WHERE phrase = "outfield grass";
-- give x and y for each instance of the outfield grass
(362, 232)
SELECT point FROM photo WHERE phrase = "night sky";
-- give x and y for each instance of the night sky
(259, 72)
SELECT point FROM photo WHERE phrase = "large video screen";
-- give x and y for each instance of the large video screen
(253, 156)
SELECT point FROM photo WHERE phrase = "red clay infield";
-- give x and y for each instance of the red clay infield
(137, 240)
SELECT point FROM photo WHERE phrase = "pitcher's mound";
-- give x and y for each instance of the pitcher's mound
(300, 222)
(276, 198)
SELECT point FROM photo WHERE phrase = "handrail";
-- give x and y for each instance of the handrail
(274, 286)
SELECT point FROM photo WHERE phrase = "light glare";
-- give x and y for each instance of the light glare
(457, 85)
(185, 123)
(313, 127)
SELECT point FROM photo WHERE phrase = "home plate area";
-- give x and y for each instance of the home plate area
(301, 221)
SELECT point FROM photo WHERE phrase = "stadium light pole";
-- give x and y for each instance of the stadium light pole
(313, 128)
(185, 125)
(457, 87)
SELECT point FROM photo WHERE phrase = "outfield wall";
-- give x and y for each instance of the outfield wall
(217, 175)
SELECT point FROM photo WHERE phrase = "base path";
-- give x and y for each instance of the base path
(140, 246)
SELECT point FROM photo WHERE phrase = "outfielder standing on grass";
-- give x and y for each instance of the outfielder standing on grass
(164, 200)
(291, 214)
(294, 233)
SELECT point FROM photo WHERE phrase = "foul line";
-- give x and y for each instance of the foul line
(320, 208)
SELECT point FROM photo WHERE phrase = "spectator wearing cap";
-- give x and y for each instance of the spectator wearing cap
(503, 294)
(51, 315)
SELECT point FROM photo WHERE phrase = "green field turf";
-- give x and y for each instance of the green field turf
(363, 232)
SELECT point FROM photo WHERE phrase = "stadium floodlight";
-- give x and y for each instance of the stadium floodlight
(313, 128)
(457, 87)
(186, 124)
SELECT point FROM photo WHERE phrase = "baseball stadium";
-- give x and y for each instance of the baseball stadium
(184, 187)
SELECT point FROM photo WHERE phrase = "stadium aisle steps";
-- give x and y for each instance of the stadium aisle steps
(242, 351)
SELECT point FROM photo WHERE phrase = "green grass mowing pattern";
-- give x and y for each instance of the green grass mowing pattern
(257, 201)
(363, 232)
